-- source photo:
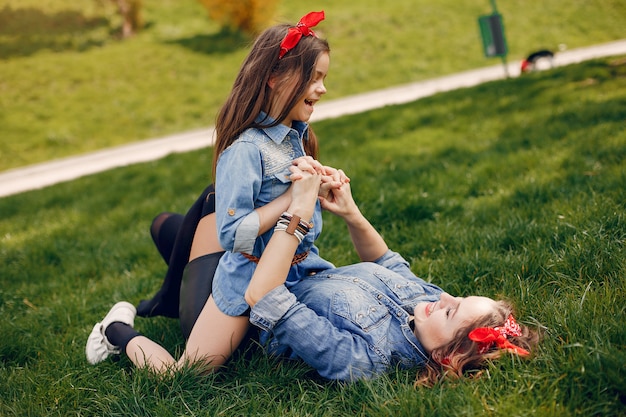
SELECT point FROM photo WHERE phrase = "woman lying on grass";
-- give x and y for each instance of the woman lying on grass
(348, 323)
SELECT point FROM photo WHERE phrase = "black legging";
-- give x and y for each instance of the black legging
(187, 285)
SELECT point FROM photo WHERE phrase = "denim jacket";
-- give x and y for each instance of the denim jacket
(350, 322)
(250, 173)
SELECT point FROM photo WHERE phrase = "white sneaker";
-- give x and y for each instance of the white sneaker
(98, 347)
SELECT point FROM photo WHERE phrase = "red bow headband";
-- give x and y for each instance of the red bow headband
(303, 28)
(486, 337)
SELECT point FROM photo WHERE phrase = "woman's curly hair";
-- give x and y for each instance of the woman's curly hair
(459, 357)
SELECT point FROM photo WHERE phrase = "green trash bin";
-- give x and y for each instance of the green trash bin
(492, 32)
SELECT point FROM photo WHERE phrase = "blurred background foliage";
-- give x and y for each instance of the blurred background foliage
(248, 16)
(70, 83)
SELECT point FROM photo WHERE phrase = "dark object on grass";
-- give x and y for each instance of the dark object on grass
(538, 60)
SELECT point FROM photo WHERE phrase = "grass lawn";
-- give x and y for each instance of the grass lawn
(67, 86)
(513, 188)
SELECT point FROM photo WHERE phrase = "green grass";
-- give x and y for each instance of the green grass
(69, 86)
(514, 188)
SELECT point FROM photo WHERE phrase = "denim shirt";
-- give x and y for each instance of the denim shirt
(250, 173)
(350, 322)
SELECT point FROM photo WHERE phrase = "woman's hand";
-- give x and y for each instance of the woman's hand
(336, 175)
(340, 202)
(332, 179)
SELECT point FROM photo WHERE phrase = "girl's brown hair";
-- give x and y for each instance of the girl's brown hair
(251, 93)
(461, 355)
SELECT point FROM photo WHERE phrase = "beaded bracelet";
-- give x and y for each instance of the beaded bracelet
(281, 227)
(293, 225)
(296, 222)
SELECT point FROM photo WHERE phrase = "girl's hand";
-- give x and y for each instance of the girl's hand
(308, 164)
(304, 190)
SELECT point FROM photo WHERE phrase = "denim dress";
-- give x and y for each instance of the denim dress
(250, 173)
(350, 322)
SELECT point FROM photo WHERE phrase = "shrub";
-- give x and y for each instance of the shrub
(249, 16)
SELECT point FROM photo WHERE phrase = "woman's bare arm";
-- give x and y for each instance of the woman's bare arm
(368, 243)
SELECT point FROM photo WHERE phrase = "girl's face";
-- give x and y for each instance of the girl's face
(303, 109)
(436, 323)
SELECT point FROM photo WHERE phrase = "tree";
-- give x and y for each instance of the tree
(130, 12)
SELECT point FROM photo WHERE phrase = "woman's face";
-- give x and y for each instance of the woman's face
(437, 322)
(303, 109)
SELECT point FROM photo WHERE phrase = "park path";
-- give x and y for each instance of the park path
(45, 174)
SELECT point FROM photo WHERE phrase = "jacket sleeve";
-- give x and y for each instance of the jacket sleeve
(396, 263)
(238, 183)
(335, 353)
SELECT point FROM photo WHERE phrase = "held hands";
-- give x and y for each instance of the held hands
(333, 187)
(331, 178)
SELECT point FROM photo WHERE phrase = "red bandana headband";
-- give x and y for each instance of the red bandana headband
(486, 337)
(303, 28)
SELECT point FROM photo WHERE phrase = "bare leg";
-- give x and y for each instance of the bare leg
(205, 239)
(215, 336)
(213, 339)
(143, 352)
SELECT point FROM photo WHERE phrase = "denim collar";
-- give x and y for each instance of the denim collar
(279, 132)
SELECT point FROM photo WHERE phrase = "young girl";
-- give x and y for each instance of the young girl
(260, 131)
